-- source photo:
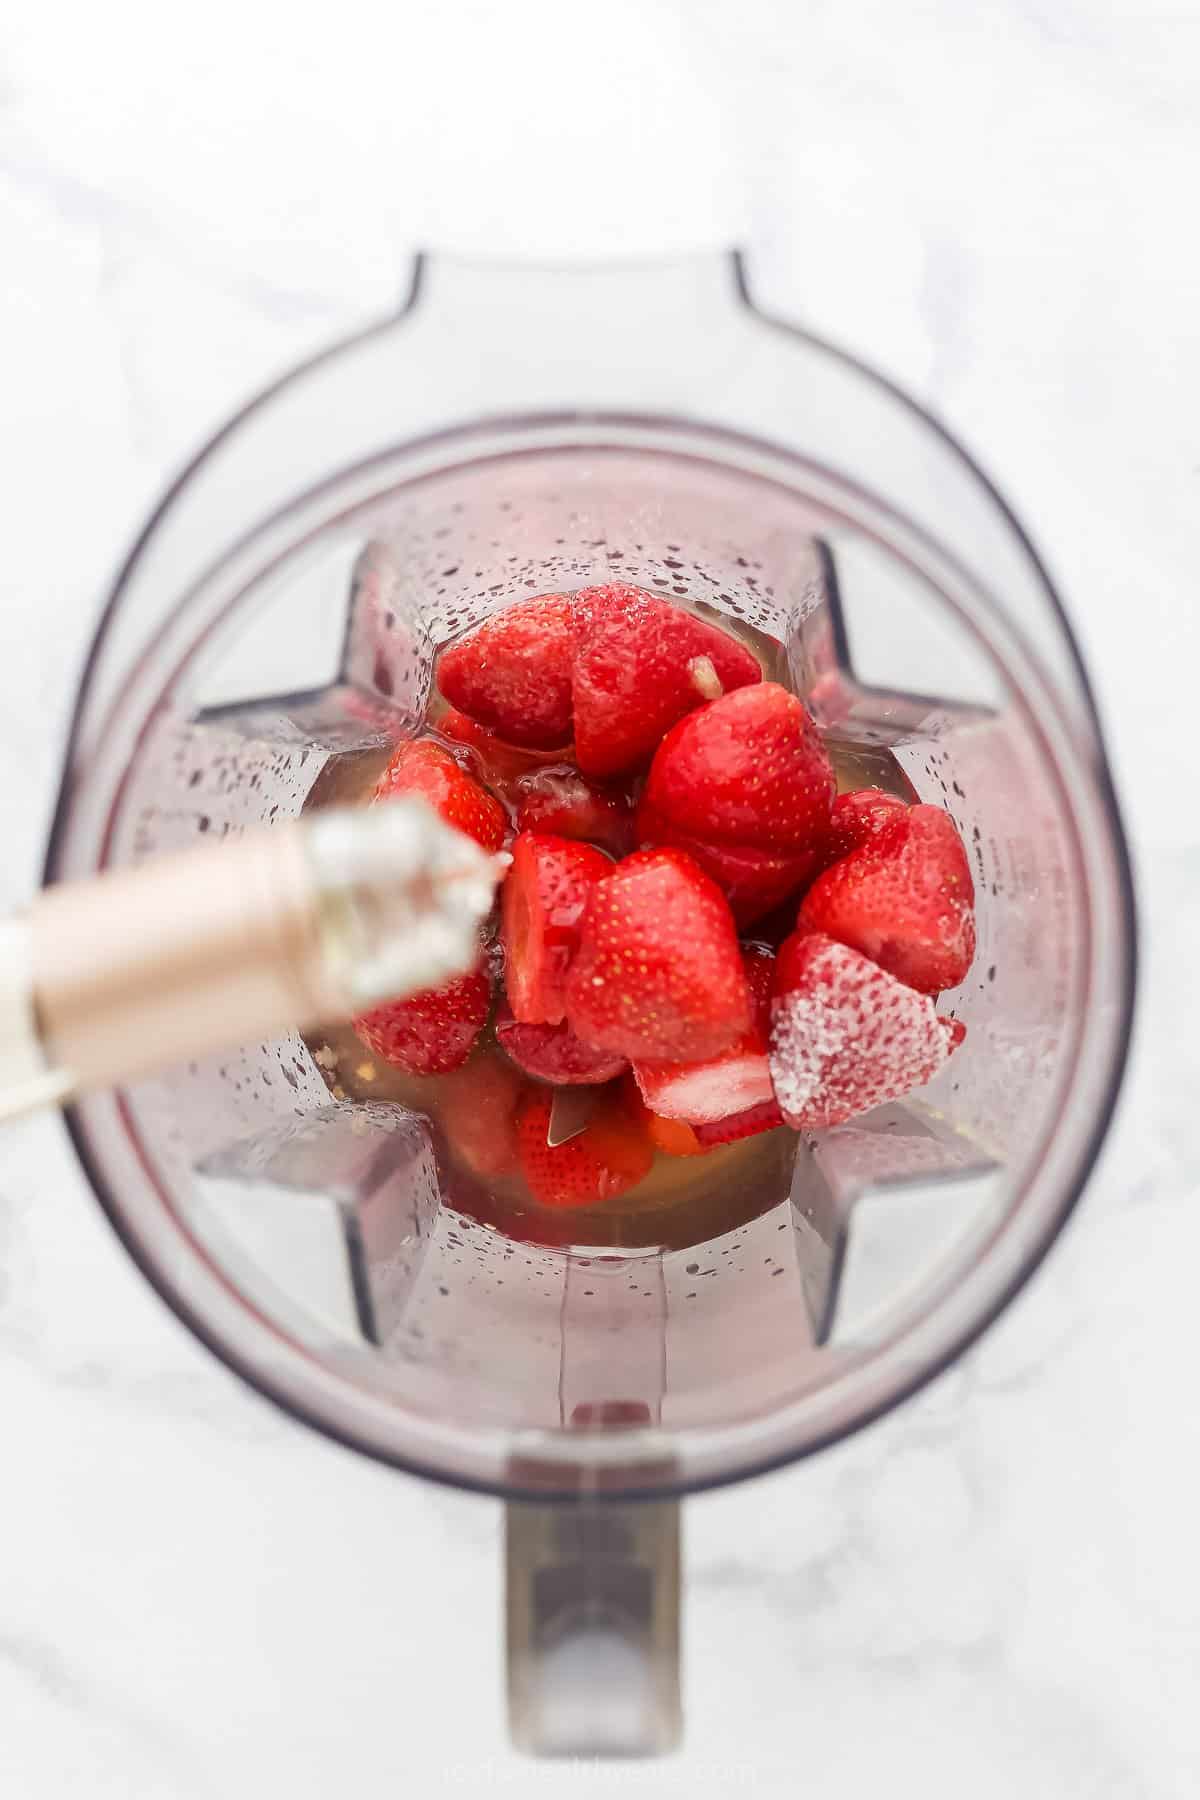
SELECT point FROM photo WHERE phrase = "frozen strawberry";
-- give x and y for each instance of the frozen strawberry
(754, 882)
(904, 898)
(748, 770)
(764, 1117)
(845, 1035)
(560, 801)
(432, 1032)
(426, 769)
(512, 674)
(720, 1086)
(477, 1108)
(641, 664)
(658, 975)
(858, 817)
(541, 906)
(553, 1053)
(699, 1093)
(499, 763)
(610, 1155)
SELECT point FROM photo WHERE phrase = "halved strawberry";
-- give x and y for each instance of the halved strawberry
(541, 906)
(553, 1053)
(658, 974)
(432, 1032)
(904, 898)
(858, 817)
(753, 881)
(641, 664)
(699, 1093)
(499, 763)
(846, 1036)
(748, 770)
(563, 802)
(720, 1086)
(610, 1155)
(477, 1110)
(513, 672)
(425, 768)
(764, 1117)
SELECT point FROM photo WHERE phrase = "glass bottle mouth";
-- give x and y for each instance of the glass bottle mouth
(757, 530)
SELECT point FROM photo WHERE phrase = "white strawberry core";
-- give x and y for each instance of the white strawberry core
(704, 678)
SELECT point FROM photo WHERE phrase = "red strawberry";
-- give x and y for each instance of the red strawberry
(720, 1086)
(541, 906)
(424, 768)
(748, 770)
(513, 672)
(553, 1053)
(432, 1032)
(477, 1109)
(846, 1036)
(764, 1117)
(904, 898)
(499, 762)
(658, 974)
(753, 881)
(858, 817)
(611, 1154)
(641, 664)
(558, 800)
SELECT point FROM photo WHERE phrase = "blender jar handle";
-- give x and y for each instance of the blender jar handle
(592, 1596)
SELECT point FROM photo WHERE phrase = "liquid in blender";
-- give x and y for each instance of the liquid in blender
(683, 1200)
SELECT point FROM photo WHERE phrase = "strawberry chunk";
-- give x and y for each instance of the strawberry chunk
(845, 1035)
(858, 817)
(733, 1082)
(753, 881)
(541, 907)
(499, 763)
(641, 664)
(670, 1136)
(673, 1137)
(425, 768)
(756, 1119)
(553, 1053)
(433, 1032)
(904, 898)
(512, 674)
(699, 1093)
(560, 801)
(611, 1154)
(748, 770)
(658, 975)
(477, 1109)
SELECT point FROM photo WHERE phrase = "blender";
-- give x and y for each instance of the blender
(512, 432)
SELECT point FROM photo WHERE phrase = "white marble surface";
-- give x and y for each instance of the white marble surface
(996, 1591)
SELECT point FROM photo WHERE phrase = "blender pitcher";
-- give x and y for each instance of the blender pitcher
(514, 432)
